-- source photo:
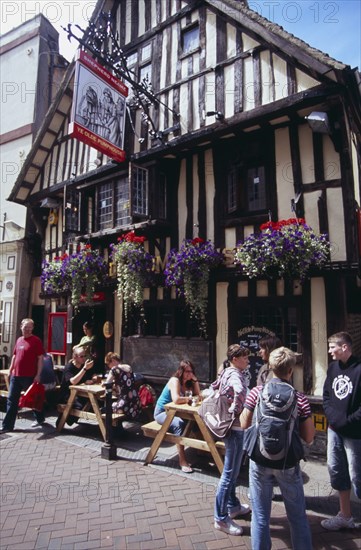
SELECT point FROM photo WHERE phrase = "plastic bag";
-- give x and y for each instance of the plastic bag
(146, 395)
(34, 397)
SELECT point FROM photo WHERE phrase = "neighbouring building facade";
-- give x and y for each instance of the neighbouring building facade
(31, 70)
(231, 148)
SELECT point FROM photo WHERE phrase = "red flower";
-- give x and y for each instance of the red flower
(130, 237)
(197, 240)
(276, 226)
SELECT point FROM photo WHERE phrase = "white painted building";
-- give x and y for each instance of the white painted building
(31, 71)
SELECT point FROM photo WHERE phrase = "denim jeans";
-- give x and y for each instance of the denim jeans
(261, 482)
(17, 385)
(177, 425)
(344, 462)
(226, 499)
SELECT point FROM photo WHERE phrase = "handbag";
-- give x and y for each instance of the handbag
(215, 415)
(34, 397)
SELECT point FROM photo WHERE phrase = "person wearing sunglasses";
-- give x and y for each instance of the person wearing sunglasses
(179, 389)
(79, 370)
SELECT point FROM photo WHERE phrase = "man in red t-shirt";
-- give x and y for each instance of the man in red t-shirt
(25, 368)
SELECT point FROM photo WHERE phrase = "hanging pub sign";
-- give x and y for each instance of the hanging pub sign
(98, 111)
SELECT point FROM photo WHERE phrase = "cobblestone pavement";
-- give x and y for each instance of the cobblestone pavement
(58, 493)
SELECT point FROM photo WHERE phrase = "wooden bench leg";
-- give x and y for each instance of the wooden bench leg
(159, 438)
(66, 411)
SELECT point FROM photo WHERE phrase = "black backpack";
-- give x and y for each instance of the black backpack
(273, 439)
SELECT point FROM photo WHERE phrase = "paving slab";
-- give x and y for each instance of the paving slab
(57, 492)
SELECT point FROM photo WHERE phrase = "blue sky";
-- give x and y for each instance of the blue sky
(331, 26)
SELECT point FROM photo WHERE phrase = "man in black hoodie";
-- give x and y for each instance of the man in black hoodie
(342, 406)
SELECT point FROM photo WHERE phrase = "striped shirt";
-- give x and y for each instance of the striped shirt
(303, 405)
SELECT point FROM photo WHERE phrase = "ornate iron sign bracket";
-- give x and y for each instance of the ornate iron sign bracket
(101, 41)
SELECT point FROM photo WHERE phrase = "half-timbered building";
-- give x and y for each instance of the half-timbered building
(227, 146)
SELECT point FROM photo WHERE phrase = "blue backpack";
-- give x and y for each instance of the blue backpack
(273, 439)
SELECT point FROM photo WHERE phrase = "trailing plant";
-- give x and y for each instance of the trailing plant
(79, 272)
(134, 269)
(188, 270)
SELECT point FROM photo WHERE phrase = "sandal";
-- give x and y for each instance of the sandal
(187, 469)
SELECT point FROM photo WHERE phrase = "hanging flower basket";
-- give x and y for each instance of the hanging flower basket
(134, 268)
(287, 248)
(53, 277)
(188, 270)
(81, 271)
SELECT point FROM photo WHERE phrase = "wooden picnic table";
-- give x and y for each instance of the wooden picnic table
(94, 395)
(204, 442)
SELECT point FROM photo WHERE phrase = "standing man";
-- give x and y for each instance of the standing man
(342, 406)
(25, 368)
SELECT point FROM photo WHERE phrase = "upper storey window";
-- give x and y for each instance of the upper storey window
(190, 39)
(248, 167)
(119, 202)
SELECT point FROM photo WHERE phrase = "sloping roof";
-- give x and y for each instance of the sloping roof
(277, 36)
(272, 33)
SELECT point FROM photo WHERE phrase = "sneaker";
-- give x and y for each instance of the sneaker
(228, 526)
(36, 424)
(338, 522)
(241, 510)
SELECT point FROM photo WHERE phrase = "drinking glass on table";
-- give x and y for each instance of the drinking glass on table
(189, 394)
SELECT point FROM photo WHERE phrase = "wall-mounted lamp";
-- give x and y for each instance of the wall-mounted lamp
(217, 114)
(319, 122)
(49, 203)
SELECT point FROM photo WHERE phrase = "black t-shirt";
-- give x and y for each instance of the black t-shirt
(71, 370)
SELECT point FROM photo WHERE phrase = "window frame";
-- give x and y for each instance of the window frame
(184, 32)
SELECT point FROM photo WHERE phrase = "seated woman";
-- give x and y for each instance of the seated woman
(127, 396)
(184, 379)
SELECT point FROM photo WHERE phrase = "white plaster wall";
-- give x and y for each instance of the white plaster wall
(248, 85)
(266, 76)
(141, 19)
(183, 107)
(18, 86)
(222, 322)
(319, 334)
(11, 163)
(311, 210)
(174, 53)
(229, 90)
(195, 197)
(231, 40)
(210, 192)
(211, 30)
(210, 96)
(230, 237)
(118, 315)
(304, 82)
(337, 235)
(182, 205)
(331, 160)
(284, 174)
(280, 77)
(306, 153)
(195, 94)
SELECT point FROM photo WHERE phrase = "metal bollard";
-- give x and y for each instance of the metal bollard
(108, 450)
